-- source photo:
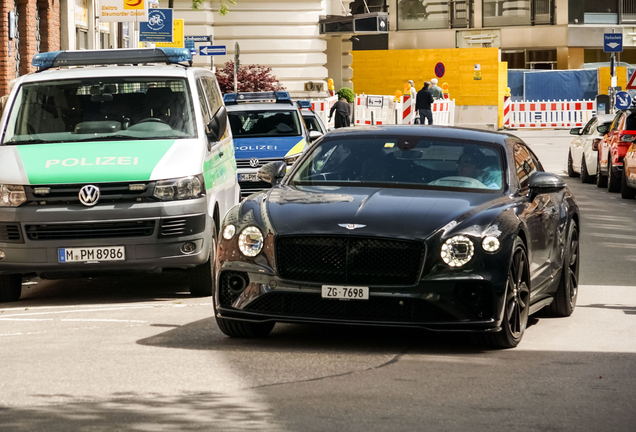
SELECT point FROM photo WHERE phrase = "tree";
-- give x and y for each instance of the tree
(251, 78)
(346, 93)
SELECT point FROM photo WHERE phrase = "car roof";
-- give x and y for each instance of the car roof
(604, 118)
(423, 131)
(163, 71)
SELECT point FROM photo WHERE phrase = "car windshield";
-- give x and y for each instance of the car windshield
(257, 123)
(120, 108)
(403, 162)
(312, 123)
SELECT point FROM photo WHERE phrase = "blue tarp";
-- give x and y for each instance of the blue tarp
(536, 85)
(561, 85)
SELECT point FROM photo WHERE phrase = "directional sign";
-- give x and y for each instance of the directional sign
(613, 42)
(211, 50)
(197, 38)
(622, 100)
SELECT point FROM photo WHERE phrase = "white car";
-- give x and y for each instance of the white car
(583, 154)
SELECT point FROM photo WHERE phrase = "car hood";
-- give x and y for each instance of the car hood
(402, 213)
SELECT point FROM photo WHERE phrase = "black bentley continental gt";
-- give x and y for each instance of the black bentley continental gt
(433, 227)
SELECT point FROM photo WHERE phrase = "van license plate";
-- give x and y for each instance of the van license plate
(92, 254)
(253, 177)
(345, 292)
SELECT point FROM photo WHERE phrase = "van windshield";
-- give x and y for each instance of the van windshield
(100, 109)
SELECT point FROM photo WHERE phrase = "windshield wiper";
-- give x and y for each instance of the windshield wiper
(114, 138)
(31, 141)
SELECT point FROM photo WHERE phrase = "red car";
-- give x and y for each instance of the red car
(612, 150)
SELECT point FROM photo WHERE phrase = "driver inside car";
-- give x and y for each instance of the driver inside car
(473, 164)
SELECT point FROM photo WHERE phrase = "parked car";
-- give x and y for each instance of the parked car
(123, 163)
(312, 120)
(583, 154)
(612, 150)
(440, 228)
(628, 179)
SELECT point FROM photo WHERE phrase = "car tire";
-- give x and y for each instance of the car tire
(613, 182)
(243, 329)
(626, 191)
(516, 303)
(568, 289)
(201, 279)
(10, 287)
(601, 180)
(571, 171)
(585, 176)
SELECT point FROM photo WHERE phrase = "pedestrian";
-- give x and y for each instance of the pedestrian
(343, 113)
(413, 91)
(436, 90)
(423, 103)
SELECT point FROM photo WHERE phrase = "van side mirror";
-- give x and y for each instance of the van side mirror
(218, 125)
(273, 172)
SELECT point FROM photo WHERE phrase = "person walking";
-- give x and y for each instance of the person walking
(423, 103)
(436, 90)
(343, 113)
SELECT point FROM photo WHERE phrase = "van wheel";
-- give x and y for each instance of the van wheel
(201, 279)
(10, 287)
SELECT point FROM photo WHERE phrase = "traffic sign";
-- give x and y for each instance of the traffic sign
(631, 85)
(440, 69)
(212, 50)
(197, 38)
(613, 42)
(622, 100)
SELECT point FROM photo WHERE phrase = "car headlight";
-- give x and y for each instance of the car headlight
(228, 232)
(180, 188)
(250, 241)
(490, 244)
(457, 251)
(12, 195)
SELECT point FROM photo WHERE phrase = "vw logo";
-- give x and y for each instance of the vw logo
(89, 195)
(254, 163)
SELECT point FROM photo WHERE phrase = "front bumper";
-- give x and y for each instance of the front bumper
(151, 233)
(461, 304)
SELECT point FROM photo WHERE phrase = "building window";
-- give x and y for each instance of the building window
(602, 11)
(81, 38)
(502, 13)
(422, 14)
(628, 11)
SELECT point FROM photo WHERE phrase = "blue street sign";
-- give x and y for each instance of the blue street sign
(158, 28)
(622, 100)
(211, 50)
(197, 38)
(613, 42)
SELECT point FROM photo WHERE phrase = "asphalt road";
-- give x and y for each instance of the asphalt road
(141, 355)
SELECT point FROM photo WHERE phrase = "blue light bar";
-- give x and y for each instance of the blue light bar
(278, 96)
(305, 104)
(111, 57)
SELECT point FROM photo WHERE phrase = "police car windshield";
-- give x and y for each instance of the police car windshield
(122, 108)
(259, 123)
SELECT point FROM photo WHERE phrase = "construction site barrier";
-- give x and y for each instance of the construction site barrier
(547, 114)
(322, 107)
(369, 112)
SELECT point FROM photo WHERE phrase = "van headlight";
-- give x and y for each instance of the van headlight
(457, 251)
(12, 195)
(180, 188)
(250, 241)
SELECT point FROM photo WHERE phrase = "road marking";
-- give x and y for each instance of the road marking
(25, 319)
(83, 310)
(102, 320)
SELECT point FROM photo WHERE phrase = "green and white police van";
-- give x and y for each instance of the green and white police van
(113, 161)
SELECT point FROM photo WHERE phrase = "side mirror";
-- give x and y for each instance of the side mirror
(595, 143)
(218, 125)
(543, 182)
(575, 131)
(272, 172)
(602, 129)
(314, 135)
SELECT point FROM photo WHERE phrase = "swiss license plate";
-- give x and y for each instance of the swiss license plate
(345, 292)
(92, 254)
(252, 177)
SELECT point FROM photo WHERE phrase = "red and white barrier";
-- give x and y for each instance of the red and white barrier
(548, 114)
(443, 111)
(374, 115)
(322, 107)
(506, 112)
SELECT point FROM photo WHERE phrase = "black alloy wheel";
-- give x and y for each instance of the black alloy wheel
(626, 191)
(613, 182)
(516, 305)
(571, 171)
(10, 287)
(201, 279)
(601, 180)
(585, 175)
(568, 289)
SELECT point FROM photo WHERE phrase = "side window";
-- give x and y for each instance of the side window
(525, 164)
(203, 103)
(616, 122)
(589, 127)
(212, 94)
